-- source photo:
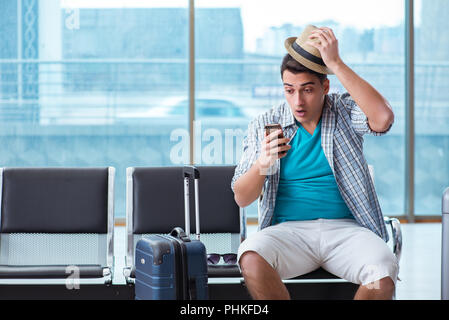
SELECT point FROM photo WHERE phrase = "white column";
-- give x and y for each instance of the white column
(50, 49)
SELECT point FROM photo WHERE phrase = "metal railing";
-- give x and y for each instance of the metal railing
(100, 88)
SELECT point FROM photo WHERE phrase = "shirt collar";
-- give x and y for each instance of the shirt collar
(288, 119)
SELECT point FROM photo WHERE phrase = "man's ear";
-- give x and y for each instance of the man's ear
(326, 86)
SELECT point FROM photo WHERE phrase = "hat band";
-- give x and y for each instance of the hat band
(307, 55)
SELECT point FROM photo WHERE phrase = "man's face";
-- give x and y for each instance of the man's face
(305, 94)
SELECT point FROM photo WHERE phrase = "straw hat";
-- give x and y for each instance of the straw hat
(305, 54)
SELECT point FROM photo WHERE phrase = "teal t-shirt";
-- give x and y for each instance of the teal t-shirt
(307, 187)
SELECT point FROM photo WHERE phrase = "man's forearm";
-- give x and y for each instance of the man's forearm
(249, 186)
(376, 108)
(373, 104)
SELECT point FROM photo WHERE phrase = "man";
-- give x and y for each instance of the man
(318, 206)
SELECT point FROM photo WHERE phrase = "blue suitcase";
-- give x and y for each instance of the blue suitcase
(173, 267)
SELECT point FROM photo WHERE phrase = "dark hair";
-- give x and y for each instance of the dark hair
(290, 64)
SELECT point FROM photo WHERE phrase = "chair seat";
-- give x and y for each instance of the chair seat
(319, 273)
(229, 271)
(223, 271)
(49, 272)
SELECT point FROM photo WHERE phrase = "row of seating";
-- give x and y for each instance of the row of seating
(55, 218)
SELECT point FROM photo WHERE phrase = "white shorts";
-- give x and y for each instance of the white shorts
(342, 247)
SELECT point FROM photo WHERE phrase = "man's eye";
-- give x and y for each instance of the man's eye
(289, 91)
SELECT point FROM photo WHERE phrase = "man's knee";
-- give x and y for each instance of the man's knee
(384, 284)
(382, 289)
(262, 281)
(250, 262)
(387, 284)
(382, 275)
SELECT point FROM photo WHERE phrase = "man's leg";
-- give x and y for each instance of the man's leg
(379, 290)
(262, 281)
(358, 255)
(278, 252)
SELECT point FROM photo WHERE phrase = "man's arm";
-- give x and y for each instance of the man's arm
(371, 102)
(249, 186)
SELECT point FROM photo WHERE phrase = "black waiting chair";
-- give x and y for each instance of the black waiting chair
(57, 223)
(155, 205)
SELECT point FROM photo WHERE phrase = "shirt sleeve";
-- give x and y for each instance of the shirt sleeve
(251, 150)
(358, 118)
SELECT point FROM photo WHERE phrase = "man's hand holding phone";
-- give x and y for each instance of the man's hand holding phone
(274, 146)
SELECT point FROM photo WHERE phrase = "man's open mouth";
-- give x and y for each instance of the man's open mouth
(300, 113)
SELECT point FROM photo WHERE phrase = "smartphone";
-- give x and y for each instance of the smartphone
(270, 128)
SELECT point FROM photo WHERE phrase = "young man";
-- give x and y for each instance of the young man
(318, 206)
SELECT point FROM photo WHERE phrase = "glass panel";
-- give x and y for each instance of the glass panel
(238, 58)
(91, 83)
(431, 105)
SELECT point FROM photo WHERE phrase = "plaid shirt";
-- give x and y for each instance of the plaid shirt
(343, 126)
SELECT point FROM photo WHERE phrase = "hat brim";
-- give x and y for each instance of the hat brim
(305, 62)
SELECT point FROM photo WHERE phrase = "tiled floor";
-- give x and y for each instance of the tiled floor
(420, 265)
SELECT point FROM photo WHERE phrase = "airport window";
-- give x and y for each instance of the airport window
(106, 83)
(238, 57)
(86, 84)
(431, 106)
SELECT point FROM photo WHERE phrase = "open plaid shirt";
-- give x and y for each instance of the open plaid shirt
(343, 126)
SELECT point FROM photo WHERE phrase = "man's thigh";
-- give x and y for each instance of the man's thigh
(290, 248)
(357, 254)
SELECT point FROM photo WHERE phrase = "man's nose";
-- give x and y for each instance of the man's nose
(299, 99)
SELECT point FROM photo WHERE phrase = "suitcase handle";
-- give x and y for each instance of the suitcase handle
(180, 234)
(191, 172)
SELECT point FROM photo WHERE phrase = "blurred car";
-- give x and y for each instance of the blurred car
(206, 108)
(178, 109)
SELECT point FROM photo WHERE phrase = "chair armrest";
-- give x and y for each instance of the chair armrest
(396, 235)
(52, 271)
(130, 274)
(108, 274)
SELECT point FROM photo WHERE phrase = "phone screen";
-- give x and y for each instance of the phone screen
(272, 128)
(269, 128)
